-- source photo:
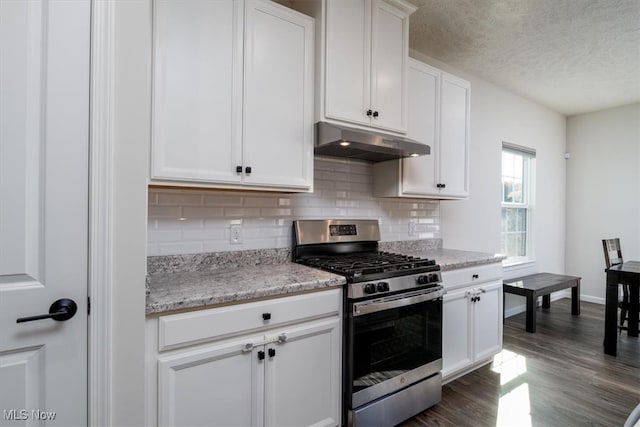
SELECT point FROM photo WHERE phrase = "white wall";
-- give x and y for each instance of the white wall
(498, 115)
(603, 192)
(132, 52)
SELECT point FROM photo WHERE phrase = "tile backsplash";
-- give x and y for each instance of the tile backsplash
(183, 221)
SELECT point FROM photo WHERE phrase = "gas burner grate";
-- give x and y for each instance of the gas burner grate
(364, 263)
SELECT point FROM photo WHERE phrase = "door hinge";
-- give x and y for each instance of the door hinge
(88, 306)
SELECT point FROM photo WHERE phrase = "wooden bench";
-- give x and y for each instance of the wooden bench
(542, 284)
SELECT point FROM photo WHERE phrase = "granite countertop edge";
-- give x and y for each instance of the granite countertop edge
(193, 290)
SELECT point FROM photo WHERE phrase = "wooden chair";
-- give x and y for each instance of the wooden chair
(613, 256)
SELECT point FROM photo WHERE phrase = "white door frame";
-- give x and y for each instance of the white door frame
(100, 211)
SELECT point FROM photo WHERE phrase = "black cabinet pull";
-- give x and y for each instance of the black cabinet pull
(369, 113)
(247, 169)
(272, 352)
(266, 316)
(444, 185)
(238, 169)
(475, 276)
(439, 185)
(261, 355)
(375, 114)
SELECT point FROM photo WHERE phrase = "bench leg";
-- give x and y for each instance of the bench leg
(575, 299)
(531, 313)
(546, 301)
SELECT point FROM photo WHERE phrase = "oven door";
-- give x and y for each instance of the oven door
(394, 342)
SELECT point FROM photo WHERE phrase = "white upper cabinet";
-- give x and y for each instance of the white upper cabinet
(439, 117)
(278, 96)
(364, 61)
(232, 95)
(197, 97)
(454, 137)
(420, 174)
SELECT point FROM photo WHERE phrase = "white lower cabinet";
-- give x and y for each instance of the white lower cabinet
(213, 386)
(279, 375)
(472, 321)
(302, 380)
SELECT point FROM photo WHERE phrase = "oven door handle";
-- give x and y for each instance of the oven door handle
(372, 306)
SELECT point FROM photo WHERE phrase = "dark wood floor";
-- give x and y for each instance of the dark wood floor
(558, 376)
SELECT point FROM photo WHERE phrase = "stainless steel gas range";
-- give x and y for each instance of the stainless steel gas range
(393, 320)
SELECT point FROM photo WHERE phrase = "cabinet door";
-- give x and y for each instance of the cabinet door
(488, 321)
(303, 377)
(390, 50)
(347, 60)
(197, 84)
(419, 174)
(454, 136)
(456, 332)
(214, 386)
(278, 96)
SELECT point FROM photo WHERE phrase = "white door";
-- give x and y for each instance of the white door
(44, 117)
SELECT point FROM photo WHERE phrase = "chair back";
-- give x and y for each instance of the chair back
(612, 252)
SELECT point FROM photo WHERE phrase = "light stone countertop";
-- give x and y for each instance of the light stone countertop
(204, 280)
(451, 259)
(199, 289)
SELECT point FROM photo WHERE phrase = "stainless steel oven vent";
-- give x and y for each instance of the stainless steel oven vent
(343, 141)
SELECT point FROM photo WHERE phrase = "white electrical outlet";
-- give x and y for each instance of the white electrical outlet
(413, 229)
(235, 237)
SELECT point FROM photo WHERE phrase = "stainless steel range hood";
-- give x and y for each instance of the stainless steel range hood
(343, 141)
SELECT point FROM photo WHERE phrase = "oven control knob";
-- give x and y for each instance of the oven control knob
(370, 288)
(433, 277)
(383, 287)
(423, 280)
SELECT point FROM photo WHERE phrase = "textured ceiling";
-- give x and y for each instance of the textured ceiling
(574, 56)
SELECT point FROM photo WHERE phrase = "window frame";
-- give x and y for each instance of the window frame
(528, 188)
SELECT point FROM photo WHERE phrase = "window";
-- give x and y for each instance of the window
(517, 200)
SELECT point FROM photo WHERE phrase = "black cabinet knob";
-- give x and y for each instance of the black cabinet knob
(261, 355)
(375, 114)
(272, 352)
(369, 113)
(247, 169)
(475, 276)
(238, 169)
(266, 316)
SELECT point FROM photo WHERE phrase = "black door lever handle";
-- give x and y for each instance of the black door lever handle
(60, 310)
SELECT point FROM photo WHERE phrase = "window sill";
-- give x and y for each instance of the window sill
(517, 265)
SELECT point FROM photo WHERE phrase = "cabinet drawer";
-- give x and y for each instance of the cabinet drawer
(178, 330)
(453, 279)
